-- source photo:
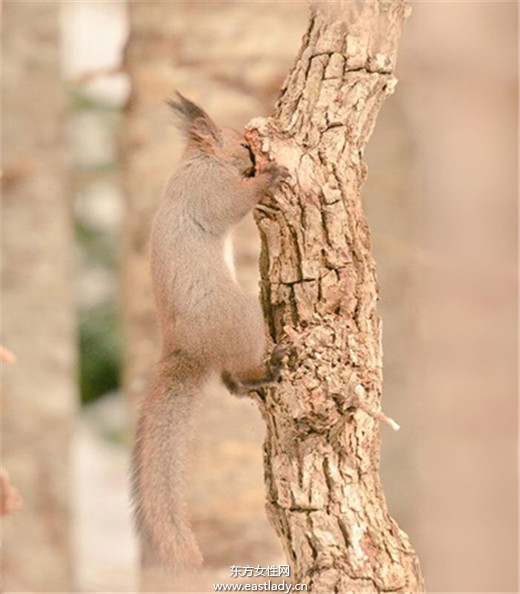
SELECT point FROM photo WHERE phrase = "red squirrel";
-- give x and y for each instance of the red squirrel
(208, 322)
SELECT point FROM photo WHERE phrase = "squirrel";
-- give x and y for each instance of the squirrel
(208, 322)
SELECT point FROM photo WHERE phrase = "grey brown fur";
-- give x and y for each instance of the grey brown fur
(208, 322)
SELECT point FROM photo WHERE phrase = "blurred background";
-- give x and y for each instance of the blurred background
(87, 146)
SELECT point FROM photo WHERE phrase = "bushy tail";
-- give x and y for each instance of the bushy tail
(160, 461)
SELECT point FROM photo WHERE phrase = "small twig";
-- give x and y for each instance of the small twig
(379, 415)
(374, 412)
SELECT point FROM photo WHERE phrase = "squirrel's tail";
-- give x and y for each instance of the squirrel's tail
(160, 460)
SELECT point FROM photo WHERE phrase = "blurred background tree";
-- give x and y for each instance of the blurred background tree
(38, 324)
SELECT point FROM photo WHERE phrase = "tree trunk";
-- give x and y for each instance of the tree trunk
(465, 360)
(319, 292)
(40, 396)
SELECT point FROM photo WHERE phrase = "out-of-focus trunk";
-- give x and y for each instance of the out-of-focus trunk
(39, 397)
(460, 61)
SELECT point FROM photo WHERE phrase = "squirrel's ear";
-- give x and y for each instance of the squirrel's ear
(194, 122)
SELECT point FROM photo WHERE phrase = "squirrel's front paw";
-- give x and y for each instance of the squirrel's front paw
(276, 174)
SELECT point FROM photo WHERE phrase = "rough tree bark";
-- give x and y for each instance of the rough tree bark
(319, 292)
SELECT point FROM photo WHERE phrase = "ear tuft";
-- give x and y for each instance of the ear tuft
(185, 108)
(193, 121)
